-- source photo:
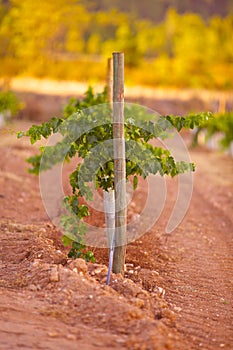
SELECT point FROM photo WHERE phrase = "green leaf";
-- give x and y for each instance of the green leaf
(89, 256)
(135, 182)
(20, 134)
(66, 240)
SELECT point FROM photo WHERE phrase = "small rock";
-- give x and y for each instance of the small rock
(177, 308)
(161, 291)
(52, 334)
(155, 272)
(32, 287)
(129, 265)
(36, 262)
(133, 204)
(71, 336)
(100, 270)
(54, 275)
(78, 264)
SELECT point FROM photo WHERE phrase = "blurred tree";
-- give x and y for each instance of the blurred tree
(46, 29)
(4, 42)
(220, 39)
(93, 44)
(183, 50)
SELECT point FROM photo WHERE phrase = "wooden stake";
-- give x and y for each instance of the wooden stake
(119, 163)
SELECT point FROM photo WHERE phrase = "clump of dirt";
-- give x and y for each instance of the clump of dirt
(32, 260)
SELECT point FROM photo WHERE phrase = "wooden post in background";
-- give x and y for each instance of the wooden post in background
(110, 80)
(119, 163)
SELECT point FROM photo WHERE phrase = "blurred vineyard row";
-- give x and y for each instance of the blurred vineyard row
(64, 40)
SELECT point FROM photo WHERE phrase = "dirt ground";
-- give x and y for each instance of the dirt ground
(44, 98)
(178, 289)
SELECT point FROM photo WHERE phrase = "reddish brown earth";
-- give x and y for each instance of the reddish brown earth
(178, 289)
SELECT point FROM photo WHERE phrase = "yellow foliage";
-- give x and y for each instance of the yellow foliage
(63, 40)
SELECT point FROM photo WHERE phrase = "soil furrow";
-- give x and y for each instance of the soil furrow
(202, 279)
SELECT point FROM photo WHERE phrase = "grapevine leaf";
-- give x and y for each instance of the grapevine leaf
(66, 241)
(20, 134)
(135, 182)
